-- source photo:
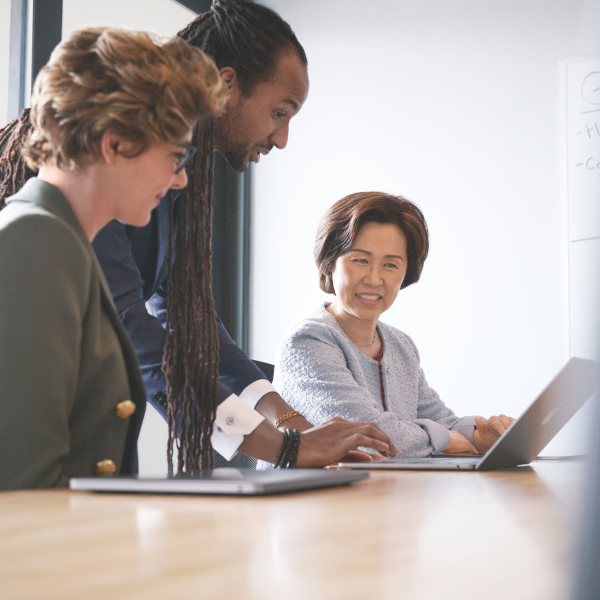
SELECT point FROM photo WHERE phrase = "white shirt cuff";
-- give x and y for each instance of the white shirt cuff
(255, 391)
(234, 420)
(466, 427)
(438, 434)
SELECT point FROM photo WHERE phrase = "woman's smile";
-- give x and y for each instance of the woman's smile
(369, 299)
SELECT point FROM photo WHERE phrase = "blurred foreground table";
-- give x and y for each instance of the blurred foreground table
(431, 535)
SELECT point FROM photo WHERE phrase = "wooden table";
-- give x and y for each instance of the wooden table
(431, 535)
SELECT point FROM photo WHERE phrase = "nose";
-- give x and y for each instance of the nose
(279, 137)
(373, 278)
(180, 180)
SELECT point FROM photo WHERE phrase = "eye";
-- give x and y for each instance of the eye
(391, 265)
(362, 261)
(280, 113)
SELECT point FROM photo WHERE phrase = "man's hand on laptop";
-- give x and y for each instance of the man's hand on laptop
(486, 434)
(332, 441)
(322, 445)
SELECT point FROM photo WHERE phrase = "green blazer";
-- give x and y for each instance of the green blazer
(65, 359)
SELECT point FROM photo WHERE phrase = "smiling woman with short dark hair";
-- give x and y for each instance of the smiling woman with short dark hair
(341, 223)
(343, 362)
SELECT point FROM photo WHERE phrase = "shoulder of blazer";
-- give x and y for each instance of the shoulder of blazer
(42, 193)
(45, 195)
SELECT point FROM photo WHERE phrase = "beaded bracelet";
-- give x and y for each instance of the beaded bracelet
(295, 443)
(288, 454)
(283, 451)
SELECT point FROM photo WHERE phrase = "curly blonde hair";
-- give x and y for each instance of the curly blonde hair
(146, 88)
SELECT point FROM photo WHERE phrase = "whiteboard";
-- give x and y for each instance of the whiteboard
(583, 148)
(584, 298)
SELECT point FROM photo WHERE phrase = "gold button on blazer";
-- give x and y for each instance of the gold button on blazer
(125, 409)
(105, 468)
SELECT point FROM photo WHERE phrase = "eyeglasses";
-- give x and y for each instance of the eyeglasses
(184, 158)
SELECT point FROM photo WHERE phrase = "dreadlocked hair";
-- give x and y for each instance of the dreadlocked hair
(191, 358)
(14, 170)
(243, 35)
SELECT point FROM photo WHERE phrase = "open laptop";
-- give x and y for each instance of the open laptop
(237, 482)
(527, 436)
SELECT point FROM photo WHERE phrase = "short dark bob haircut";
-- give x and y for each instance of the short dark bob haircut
(340, 225)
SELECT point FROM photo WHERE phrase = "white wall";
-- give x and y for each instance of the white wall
(162, 16)
(456, 105)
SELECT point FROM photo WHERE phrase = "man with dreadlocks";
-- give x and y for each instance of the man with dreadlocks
(160, 277)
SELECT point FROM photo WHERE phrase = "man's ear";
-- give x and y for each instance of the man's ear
(229, 77)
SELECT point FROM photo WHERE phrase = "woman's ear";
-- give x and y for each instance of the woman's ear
(109, 146)
(112, 146)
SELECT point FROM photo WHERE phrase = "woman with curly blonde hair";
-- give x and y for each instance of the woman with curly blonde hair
(113, 115)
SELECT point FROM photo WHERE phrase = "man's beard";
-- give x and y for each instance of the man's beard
(233, 148)
(237, 156)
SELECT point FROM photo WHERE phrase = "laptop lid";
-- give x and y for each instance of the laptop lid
(245, 482)
(527, 436)
(546, 416)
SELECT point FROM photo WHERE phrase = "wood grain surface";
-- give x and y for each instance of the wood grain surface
(504, 534)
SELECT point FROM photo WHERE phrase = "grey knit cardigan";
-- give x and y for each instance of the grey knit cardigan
(322, 374)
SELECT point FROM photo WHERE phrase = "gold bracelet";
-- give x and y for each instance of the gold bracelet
(285, 418)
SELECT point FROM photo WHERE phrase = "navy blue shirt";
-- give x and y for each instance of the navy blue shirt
(134, 261)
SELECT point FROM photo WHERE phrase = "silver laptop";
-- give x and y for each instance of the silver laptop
(527, 436)
(238, 482)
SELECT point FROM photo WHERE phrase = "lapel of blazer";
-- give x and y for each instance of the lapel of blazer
(46, 195)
